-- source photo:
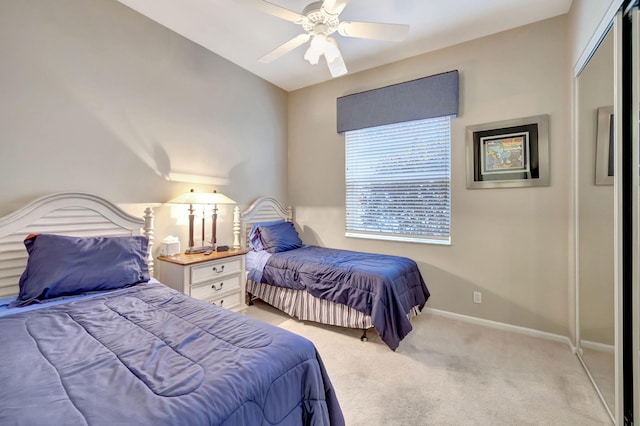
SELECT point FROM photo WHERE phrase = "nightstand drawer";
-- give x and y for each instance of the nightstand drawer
(216, 289)
(216, 270)
(230, 301)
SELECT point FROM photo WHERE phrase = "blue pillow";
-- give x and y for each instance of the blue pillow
(280, 237)
(60, 265)
(254, 236)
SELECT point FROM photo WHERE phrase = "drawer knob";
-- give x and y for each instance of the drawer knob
(215, 269)
(213, 286)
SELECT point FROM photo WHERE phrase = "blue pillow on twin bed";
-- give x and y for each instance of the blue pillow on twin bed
(279, 237)
(254, 236)
(61, 265)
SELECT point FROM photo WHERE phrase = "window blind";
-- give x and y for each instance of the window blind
(398, 181)
(427, 97)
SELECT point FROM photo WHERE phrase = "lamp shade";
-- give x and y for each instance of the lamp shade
(203, 198)
(217, 198)
(193, 197)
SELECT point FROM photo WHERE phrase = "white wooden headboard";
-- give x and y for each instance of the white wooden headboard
(75, 214)
(264, 209)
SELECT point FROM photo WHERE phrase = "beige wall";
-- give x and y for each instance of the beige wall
(97, 98)
(509, 244)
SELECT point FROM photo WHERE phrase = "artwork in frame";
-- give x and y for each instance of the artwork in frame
(604, 146)
(508, 154)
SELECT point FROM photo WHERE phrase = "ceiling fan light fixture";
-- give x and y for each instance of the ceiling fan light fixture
(316, 49)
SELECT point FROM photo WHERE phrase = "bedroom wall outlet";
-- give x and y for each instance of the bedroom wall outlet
(477, 297)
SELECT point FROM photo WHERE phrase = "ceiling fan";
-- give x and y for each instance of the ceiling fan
(320, 20)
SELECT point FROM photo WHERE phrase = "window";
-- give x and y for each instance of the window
(398, 181)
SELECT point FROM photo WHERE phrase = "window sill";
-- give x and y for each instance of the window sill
(435, 241)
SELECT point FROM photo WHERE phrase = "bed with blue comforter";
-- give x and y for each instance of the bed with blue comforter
(91, 339)
(148, 355)
(386, 288)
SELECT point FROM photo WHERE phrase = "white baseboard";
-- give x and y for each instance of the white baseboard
(600, 347)
(503, 326)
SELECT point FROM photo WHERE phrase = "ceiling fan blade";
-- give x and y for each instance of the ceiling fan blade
(275, 10)
(285, 48)
(335, 62)
(334, 7)
(375, 30)
(337, 67)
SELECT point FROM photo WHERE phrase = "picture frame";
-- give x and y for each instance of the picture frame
(604, 147)
(508, 154)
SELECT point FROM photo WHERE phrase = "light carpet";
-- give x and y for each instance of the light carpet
(450, 372)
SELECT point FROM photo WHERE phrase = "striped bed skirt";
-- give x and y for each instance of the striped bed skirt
(302, 305)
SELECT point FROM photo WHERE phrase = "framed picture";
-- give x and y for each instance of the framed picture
(604, 147)
(508, 154)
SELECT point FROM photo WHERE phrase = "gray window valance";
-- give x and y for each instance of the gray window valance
(428, 97)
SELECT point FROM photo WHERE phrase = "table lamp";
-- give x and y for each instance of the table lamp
(202, 198)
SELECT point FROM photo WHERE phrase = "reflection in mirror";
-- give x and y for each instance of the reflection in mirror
(596, 224)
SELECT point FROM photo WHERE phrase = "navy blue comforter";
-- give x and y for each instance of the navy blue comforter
(148, 355)
(382, 286)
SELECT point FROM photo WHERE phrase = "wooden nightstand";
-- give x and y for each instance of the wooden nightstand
(218, 278)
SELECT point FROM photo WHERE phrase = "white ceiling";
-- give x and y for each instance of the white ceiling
(242, 34)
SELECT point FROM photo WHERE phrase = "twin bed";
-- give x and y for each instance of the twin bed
(329, 286)
(92, 338)
(110, 353)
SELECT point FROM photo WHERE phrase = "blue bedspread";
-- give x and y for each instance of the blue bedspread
(148, 355)
(382, 286)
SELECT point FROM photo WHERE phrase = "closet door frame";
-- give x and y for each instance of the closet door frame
(632, 320)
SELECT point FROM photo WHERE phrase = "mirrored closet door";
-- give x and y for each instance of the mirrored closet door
(595, 218)
(608, 215)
